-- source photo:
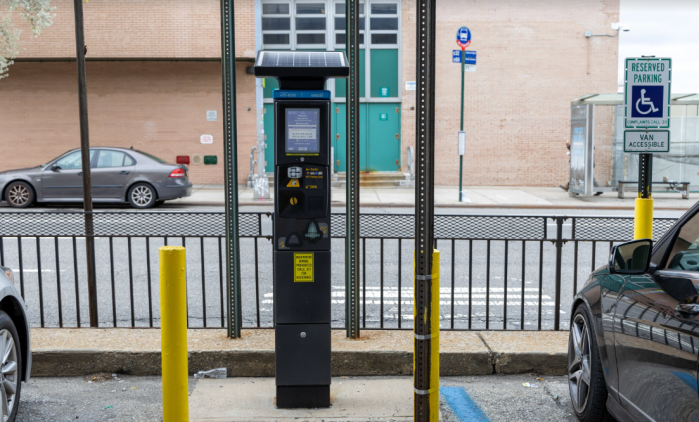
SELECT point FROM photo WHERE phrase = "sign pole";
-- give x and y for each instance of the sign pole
(461, 157)
(643, 214)
(87, 178)
(647, 100)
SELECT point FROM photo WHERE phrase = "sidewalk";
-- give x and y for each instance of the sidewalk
(447, 196)
(81, 352)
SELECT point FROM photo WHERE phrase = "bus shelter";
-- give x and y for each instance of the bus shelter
(597, 159)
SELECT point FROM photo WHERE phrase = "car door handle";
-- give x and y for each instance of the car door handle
(124, 172)
(689, 308)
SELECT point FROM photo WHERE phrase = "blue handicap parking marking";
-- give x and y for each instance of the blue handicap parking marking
(462, 405)
(647, 101)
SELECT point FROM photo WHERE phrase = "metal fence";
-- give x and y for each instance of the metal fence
(497, 272)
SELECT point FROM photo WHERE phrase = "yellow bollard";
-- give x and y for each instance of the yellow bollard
(433, 395)
(643, 219)
(173, 332)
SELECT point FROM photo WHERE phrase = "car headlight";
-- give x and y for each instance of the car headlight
(9, 273)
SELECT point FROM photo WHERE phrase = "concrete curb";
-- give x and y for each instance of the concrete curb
(260, 363)
(486, 206)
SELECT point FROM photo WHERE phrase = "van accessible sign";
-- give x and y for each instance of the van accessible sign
(647, 92)
(643, 141)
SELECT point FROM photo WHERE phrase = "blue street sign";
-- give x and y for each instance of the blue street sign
(469, 56)
(463, 37)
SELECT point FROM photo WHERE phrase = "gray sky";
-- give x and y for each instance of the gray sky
(667, 28)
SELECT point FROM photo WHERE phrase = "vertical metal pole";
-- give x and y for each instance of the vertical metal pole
(643, 215)
(424, 409)
(559, 261)
(461, 157)
(230, 142)
(85, 150)
(352, 211)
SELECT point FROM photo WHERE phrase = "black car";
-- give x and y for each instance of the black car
(634, 336)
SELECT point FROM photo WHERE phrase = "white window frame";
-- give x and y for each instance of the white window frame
(290, 31)
(384, 31)
(325, 31)
(330, 44)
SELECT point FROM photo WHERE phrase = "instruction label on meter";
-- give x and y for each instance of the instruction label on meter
(314, 178)
(303, 267)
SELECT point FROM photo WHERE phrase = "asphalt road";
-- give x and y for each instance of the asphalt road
(130, 294)
(497, 398)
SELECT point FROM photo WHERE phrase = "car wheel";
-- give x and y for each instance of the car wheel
(588, 390)
(142, 195)
(10, 374)
(19, 195)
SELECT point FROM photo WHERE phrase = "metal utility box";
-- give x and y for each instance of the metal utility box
(302, 256)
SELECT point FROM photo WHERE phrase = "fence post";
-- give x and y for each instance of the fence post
(230, 142)
(559, 253)
(173, 332)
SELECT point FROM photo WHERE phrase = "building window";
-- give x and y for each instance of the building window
(311, 25)
(321, 25)
(276, 25)
(383, 24)
(341, 25)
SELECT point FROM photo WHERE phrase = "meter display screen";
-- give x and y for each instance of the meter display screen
(302, 130)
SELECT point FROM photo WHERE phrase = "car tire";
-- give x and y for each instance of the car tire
(20, 195)
(142, 196)
(586, 383)
(13, 374)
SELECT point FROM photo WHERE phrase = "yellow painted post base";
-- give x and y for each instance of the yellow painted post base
(643, 219)
(173, 332)
(433, 395)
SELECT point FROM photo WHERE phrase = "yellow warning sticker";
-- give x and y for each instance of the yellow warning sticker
(293, 183)
(303, 268)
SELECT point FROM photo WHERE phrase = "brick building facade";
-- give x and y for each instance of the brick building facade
(154, 71)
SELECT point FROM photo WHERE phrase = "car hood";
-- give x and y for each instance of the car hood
(24, 171)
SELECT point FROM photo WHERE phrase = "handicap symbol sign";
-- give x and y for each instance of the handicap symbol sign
(647, 101)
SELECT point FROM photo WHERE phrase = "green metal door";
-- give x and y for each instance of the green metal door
(269, 137)
(384, 128)
(339, 136)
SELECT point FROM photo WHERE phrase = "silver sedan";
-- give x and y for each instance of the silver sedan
(119, 175)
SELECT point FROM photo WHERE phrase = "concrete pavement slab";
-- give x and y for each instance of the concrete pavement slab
(252, 399)
(541, 352)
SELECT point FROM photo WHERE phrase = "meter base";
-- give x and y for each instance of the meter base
(303, 396)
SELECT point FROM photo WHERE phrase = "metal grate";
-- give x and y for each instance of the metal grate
(125, 224)
(617, 229)
(447, 227)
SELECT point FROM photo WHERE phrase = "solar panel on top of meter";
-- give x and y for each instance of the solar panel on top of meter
(302, 59)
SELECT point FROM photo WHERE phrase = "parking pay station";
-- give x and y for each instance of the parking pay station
(302, 221)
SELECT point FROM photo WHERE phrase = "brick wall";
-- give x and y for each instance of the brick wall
(532, 61)
(159, 107)
(142, 29)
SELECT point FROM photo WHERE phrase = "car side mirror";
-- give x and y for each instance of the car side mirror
(55, 167)
(631, 257)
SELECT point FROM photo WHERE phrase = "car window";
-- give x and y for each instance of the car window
(110, 158)
(129, 161)
(73, 161)
(684, 254)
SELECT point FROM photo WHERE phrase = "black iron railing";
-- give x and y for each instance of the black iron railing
(497, 272)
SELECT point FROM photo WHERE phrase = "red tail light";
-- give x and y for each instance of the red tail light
(178, 172)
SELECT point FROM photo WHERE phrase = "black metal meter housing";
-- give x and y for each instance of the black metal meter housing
(302, 285)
